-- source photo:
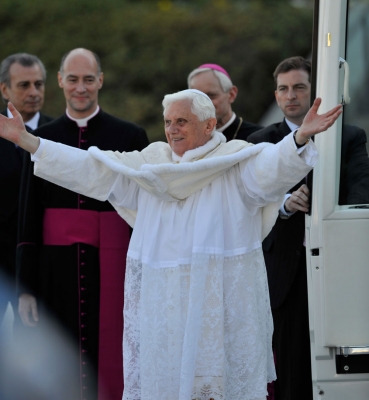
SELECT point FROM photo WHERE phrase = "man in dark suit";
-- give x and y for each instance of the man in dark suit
(284, 249)
(215, 81)
(22, 82)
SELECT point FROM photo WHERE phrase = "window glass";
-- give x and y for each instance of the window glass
(354, 177)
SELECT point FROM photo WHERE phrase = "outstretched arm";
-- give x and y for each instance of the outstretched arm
(72, 168)
(314, 123)
(13, 129)
(279, 167)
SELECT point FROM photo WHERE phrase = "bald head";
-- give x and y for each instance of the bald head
(81, 78)
(80, 51)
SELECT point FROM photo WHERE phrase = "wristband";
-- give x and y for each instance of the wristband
(299, 145)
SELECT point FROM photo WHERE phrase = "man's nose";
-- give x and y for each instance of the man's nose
(291, 94)
(33, 91)
(172, 128)
(80, 87)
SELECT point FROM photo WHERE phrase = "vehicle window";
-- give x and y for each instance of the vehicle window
(354, 176)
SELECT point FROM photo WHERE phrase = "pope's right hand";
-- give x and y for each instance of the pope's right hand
(13, 129)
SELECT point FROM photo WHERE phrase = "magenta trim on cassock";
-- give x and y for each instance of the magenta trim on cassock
(108, 232)
(216, 67)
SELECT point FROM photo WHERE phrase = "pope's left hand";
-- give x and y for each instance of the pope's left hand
(314, 123)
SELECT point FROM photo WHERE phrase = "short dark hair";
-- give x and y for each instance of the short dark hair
(67, 54)
(290, 64)
(24, 59)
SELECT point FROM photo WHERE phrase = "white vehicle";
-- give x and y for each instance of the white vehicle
(337, 236)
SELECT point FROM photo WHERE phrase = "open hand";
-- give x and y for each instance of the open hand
(314, 123)
(13, 129)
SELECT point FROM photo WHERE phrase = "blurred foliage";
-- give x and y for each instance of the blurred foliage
(148, 48)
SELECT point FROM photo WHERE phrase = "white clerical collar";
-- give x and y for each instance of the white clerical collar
(199, 152)
(82, 122)
(32, 123)
(226, 125)
(291, 125)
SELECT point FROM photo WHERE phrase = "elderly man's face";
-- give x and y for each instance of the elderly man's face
(208, 83)
(183, 129)
(26, 90)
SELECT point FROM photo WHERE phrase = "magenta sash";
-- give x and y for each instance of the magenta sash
(108, 232)
(67, 226)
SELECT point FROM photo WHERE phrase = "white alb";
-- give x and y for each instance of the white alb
(197, 319)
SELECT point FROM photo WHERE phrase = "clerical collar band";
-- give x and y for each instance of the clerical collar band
(226, 125)
(82, 122)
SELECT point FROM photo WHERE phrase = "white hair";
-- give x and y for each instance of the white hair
(225, 83)
(201, 105)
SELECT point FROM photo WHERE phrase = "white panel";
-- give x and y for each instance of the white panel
(350, 390)
(346, 282)
(338, 270)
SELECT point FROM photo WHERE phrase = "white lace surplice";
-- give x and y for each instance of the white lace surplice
(199, 331)
(197, 319)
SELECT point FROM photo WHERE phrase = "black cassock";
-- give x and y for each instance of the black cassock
(240, 129)
(71, 257)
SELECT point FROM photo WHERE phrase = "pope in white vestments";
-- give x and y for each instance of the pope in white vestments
(197, 319)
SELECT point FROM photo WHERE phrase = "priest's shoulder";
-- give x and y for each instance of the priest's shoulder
(130, 132)
(119, 122)
(263, 135)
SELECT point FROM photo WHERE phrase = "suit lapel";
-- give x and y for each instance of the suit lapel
(282, 131)
(42, 120)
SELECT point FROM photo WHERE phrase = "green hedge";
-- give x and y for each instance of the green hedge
(147, 48)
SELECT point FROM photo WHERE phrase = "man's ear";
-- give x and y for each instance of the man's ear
(4, 91)
(233, 94)
(210, 125)
(60, 80)
(101, 79)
